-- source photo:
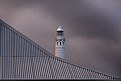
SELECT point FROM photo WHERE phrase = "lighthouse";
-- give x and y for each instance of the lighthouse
(59, 44)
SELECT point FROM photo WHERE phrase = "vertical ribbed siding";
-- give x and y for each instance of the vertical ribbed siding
(21, 59)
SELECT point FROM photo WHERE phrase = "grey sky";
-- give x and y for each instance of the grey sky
(92, 28)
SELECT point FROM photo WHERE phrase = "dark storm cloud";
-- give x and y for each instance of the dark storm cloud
(96, 26)
(85, 24)
(85, 20)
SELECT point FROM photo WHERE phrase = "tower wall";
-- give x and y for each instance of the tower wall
(59, 44)
(59, 49)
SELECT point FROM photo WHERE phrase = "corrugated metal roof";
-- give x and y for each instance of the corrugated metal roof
(21, 58)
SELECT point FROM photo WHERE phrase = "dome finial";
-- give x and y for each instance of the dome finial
(60, 28)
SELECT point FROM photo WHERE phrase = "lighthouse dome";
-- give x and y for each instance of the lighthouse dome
(60, 29)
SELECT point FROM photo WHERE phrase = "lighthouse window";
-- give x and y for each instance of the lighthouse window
(60, 43)
(57, 43)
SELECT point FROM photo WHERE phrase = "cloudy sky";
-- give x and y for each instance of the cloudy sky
(92, 28)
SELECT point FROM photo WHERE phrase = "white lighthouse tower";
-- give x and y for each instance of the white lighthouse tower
(59, 44)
